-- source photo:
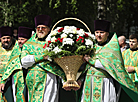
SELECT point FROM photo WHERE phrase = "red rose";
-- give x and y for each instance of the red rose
(58, 39)
(49, 41)
(61, 29)
(86, 35)
(78, 39)
(81, 37)
(78, 28)
(44, 46)
(61, 40)
(82, 41)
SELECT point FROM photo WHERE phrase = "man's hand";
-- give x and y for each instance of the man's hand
(86, 58)
(45, 57)
(2, 87)
(130, 69)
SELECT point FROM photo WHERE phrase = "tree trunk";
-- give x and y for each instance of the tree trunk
(101, 9)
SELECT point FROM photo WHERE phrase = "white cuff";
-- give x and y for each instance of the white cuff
(27, 61)
(98, 64)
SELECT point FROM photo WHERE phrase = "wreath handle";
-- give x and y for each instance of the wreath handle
(72, 19)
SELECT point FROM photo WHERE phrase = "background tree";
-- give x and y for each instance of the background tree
(122, 13)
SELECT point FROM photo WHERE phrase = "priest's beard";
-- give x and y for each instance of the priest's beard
(41, 34)
(7, 46)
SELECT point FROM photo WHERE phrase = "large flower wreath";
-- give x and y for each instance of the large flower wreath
(68, 41)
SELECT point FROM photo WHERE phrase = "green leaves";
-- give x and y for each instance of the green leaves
(57, 4)
(82, 50)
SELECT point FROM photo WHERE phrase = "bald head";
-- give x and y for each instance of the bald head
(122, 41)
(122, 38)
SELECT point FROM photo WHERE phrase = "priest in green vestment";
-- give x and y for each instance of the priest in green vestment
(13, 69)
(130, 57)
(105, 71)
(6, 47)
(42, 76)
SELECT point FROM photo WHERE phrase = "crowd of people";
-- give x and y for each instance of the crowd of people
(110, 75)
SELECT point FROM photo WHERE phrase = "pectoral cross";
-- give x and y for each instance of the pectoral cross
(97, 95)
(92, 72)
(87, 94)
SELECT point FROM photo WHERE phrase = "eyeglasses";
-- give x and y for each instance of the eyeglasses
(41, 28)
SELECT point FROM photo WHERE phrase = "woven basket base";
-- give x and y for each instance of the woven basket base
(71, 84)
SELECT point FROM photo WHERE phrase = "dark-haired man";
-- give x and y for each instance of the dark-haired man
(41, 78)
(6, 47)
(130, 57)
(13, 67)
(105, 69)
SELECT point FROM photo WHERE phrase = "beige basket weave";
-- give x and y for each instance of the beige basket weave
(70, 64)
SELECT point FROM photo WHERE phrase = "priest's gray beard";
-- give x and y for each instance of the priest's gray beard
(7, 46)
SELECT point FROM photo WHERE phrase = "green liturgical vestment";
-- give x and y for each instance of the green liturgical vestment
(131, 59)
(13, 67)
(4, 56)
(110, 57)
(37, 74)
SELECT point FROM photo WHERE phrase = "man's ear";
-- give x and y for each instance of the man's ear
(11, 37)
(48, 29)
(107, 33)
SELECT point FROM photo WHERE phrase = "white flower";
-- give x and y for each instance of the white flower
(78, 36)
(91, 35)
(66, 29)
(88, 42)
(74, 31)
(53, 39)
(70, 29)
(48, 38)
(58, 28)
(71, 35)
(53, 32)
(48, 48)
(80, 32)
(73, 27)
(57, 49)
(67, 41)
(63, 35)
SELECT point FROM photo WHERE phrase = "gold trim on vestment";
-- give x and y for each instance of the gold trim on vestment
(12, 59)
(23, 98)
(4, 98)
(34, 43)
(113, 52)
(124, 82)
(33, 88)
(102, 73)
(11, 68)
(3, 63)
(45, 86)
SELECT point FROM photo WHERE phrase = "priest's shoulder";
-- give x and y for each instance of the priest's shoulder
(126, 51)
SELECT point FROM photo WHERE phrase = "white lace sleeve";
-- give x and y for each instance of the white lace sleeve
(99, 65)
(27, 61)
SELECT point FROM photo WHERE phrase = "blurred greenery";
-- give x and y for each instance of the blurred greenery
(122, 13)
